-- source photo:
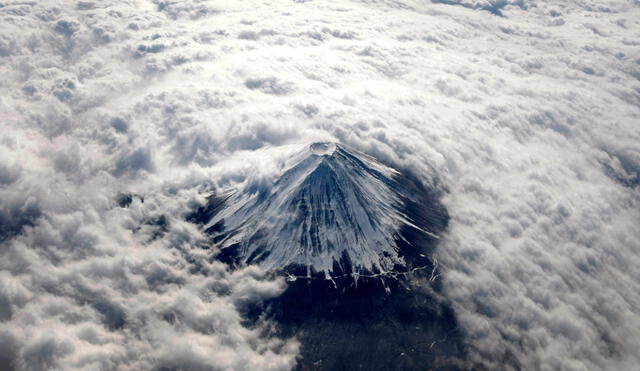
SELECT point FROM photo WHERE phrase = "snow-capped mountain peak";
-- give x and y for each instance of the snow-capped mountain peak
(332, 208)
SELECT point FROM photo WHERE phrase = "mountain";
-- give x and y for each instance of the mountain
(332, 211)
(356, 238)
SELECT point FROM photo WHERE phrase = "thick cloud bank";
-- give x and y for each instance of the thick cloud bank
(118, 117)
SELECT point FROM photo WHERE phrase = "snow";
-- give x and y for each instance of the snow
(332, 207)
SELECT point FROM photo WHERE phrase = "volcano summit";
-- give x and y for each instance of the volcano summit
(358, 237)
(333, 210)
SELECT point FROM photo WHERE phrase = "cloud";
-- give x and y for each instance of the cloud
(528, 120)
(269, 85)
(493, 6)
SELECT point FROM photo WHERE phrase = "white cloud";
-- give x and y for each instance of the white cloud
(528, 119)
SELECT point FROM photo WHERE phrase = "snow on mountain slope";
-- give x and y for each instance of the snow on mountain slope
(332, 208)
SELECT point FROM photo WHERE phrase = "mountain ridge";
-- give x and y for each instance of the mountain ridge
(333, 210)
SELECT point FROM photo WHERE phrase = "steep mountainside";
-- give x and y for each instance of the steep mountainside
(332, 209)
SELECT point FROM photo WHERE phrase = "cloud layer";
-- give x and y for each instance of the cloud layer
(525, 111)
